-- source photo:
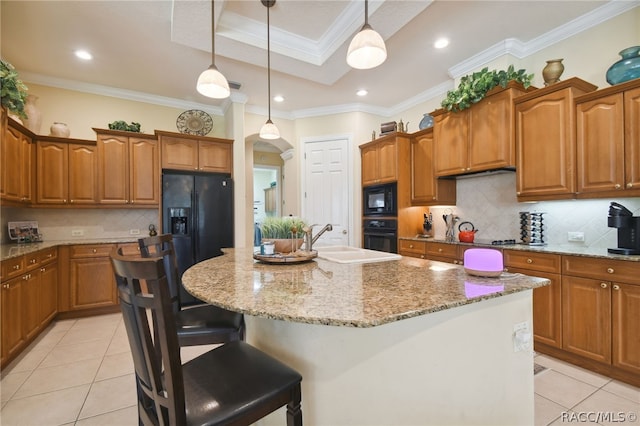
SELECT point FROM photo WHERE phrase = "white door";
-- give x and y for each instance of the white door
(325, 197)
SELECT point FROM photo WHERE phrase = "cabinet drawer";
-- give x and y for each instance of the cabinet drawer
(413, 247)
(130, 249)
(442, 249)
(544, 262)
(47, 255)
(31, 261)
(12, 267)
(601, 269)
(91, 250)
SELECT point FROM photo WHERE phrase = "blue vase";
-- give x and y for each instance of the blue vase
(626, 68)
(426, 122)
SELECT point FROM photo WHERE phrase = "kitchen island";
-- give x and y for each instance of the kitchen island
(406, 341)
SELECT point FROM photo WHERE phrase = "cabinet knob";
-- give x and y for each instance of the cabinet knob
(629, 185)
(616, 287)
(95, 251)
(410, 245)
(603, 285)
(439, 250)
(617, 186)
(43, 269)
(50, 255)
(16, 267)
(422, 256)
(610, 270)
(32, 261)
(529, 260)
(71, 201)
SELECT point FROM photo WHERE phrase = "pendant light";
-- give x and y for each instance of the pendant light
(367, 49)
(269, 130)
(211, 82)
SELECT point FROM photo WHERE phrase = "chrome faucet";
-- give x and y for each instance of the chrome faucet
(309, 239)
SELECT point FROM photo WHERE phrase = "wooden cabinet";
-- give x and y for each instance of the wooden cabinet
(547, 301)
(426, 188)
(443, 252)
(545, 141)
(379, 161)
(29, 299)
(608, 142)
(412, 248)
(66, 173)
(91, 280)
(128, 171)
(479, 138)
(187, 152)
(17, 162)
(270, 197)
(601, 312)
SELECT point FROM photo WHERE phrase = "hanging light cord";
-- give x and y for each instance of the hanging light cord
(366, 14)
(268, 63)
(213, 36)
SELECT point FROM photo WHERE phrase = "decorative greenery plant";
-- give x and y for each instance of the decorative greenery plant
(474, 87)
(282, 227)
(122, 125)
(13, 92)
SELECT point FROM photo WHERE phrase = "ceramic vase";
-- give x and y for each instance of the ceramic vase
(627, 68)
(60, 130)
(33, 121)
(552, 71)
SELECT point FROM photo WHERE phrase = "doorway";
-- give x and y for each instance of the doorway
(267, 195)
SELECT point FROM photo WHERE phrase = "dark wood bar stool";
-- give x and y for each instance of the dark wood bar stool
(200, 324)
(233, 384)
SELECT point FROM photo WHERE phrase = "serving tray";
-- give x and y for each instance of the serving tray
(279, 258)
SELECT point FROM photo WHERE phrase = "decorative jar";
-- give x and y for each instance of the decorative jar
(33, 121)
(627, 68)
(60, 130)
(552, 71)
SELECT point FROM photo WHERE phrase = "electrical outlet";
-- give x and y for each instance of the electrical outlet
(77, 232)
(575, 236)
(521, 336)
(134, 232)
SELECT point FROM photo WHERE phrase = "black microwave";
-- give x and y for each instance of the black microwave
(380, 200)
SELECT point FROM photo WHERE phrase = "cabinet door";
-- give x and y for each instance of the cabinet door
(423, 180)
(586, 317)
(48, 293)
(600, 144)
(92, 283)
(83, 174)
(387, 161)
(632, 138)
(18, 163)
(144, 171)
(31, 304)
(52, 173)
(544, 146)
(113, 169)
(179, 154)
(626, 326)
(451, 133)
(491, 142)
(12, 327)
(369, 157)
(214, 157)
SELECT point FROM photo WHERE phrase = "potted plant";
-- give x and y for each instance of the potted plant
(286, 232)
(122, 125)
(473, 88)
(13, 91)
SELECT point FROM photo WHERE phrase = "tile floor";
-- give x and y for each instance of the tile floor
(79, 372)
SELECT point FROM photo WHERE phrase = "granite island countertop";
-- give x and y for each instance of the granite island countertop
(351, 295)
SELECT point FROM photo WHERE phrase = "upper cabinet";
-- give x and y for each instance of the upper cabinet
(545, 141)
(195, 153)
(379, 161)
(128, 172)
(479, 138)
(426, 188)
(17, 162)
(66, 173)
(608, 142)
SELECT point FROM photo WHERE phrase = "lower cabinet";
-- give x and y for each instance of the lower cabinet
(12, 319)
(91, 280)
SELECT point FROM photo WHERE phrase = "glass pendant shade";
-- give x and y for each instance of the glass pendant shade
(269, 131)
(213, 84)
(367, 49)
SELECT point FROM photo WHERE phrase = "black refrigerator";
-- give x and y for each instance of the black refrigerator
(197, 209)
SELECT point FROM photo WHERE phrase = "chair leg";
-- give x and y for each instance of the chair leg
(294, 410)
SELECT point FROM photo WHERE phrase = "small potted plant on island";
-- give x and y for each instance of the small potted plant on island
(285, 232)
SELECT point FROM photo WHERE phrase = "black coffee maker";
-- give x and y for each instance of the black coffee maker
(628, 229)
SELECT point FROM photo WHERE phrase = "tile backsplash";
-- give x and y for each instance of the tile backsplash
(58, 224)
(490, 203)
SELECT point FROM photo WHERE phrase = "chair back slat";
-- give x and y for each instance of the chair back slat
(162, 246)
(151, 330)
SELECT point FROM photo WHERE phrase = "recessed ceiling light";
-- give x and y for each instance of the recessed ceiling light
(441, 43)
(278, 98)
(83, 54)
(362, 92)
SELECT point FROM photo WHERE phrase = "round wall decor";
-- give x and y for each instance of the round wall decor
(194, 122)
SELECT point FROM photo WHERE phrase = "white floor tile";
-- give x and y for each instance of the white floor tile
(607, 408)
(563, 390)
(574, 371)
(110, 395)
(546, 411)
(70, 354)
(124, 417)
(53, 408)
(115, 366)
(624, 390)
(10, 384)
(50, 379)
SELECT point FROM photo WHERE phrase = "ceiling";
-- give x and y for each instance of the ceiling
(154, 50)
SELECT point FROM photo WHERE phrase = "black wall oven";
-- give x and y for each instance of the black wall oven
(380, 200)
(381, 235)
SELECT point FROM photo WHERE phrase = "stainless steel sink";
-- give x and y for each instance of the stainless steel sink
(346, 254)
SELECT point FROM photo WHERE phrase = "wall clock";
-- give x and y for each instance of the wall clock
(194, 122)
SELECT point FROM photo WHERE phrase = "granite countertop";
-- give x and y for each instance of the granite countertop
(8, 251)
(553, 249)
(352, 295)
